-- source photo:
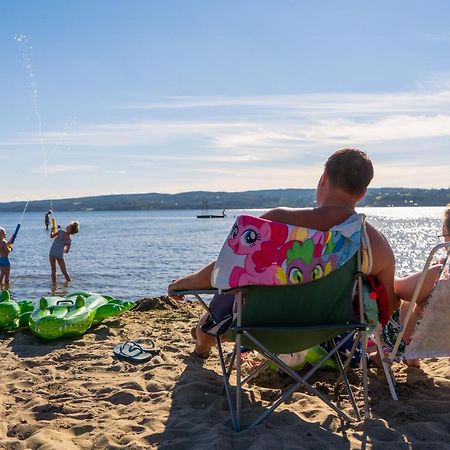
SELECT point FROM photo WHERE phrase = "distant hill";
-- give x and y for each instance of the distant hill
(231, 200)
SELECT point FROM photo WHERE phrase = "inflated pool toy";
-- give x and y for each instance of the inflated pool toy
(112, 307)
(73, 315)
(9, 312)
(13, 314)
(299, 360)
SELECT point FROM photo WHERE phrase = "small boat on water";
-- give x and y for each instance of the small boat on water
(205, 213)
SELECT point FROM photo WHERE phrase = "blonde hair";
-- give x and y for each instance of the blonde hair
(74, 227)
(446, 217)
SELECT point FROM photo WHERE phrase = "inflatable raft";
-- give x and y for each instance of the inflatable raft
(13, 314)
(73, 315)
(55, 317)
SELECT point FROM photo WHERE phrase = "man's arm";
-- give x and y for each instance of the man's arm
(197, 280)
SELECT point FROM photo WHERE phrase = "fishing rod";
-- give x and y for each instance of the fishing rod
(16, 231)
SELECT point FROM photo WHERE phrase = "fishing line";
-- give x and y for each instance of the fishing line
(21, 39)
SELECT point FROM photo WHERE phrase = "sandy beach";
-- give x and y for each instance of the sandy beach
(74, 394)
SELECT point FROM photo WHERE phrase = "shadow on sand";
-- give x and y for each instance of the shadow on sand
(208, 415)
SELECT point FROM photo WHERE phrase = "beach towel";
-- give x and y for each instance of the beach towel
(431, 338)
(261, 252)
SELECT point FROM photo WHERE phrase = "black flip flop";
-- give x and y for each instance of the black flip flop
(134, 352)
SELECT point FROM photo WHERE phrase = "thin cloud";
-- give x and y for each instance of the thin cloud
(263, 121)
(63, 168)
(322, 103)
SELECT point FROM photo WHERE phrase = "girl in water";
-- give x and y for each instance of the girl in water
(5, 250)
(61, 245)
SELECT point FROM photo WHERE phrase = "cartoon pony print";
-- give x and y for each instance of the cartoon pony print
(259, 240)
(307, 260)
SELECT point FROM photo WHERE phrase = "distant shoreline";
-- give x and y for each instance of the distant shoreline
(260, 199)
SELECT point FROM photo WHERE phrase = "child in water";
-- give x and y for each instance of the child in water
(47, 218)
(5, 250)
(61, 244)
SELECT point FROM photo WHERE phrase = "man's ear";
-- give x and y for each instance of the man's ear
(360, 197)
(323, 179)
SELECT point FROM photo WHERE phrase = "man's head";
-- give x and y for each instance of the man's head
(349, 170)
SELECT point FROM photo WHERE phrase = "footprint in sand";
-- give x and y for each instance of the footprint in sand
(121, 398)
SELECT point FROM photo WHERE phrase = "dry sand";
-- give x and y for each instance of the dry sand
(73, 394)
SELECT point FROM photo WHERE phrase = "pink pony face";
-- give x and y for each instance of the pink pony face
(259, 240)
(247, 235)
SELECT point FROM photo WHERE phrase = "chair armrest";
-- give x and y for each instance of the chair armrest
(195, 292)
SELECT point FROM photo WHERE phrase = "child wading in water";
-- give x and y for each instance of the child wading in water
(5, 250)
(61, 245)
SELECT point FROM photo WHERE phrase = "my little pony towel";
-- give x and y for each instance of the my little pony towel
(262, 252)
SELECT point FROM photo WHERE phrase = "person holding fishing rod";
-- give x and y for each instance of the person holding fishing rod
(61, 245)
(5, 249)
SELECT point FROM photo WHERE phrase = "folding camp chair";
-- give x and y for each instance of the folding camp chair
(290, 318)
(430, 337)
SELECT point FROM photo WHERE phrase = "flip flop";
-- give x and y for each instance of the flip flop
(134, 352)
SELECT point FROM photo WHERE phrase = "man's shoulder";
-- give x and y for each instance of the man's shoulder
(294, 216)
(374, 234)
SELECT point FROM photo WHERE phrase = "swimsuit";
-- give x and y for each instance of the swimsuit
(61, 240)
(4, 261)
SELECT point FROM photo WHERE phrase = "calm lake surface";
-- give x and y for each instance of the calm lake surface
(132, 254)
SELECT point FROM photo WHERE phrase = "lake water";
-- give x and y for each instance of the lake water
(132, 254)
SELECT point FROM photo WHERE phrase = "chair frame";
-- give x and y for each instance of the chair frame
(358, 330)
(395, 355)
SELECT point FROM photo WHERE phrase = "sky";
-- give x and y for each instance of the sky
(101, 97)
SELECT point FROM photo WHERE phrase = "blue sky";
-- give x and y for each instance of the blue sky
(103, 97)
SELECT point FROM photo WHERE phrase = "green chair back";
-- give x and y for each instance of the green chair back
(288, 319)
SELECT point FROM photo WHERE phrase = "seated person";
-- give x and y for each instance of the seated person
(342, 185)
(404, 288)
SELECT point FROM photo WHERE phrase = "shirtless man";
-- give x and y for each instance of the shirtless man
(342, 185)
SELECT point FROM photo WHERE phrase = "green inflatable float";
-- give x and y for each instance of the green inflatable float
(14, 314)
(73, 315)
(55, 317)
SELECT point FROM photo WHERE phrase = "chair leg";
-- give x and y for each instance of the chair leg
(349, 358)
(365, 374)
(234, 418)
(256, 371)
(238, 380)
(344, 378)
(231, 363)
(387, 368)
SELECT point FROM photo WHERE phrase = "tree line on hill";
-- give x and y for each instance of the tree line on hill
(268, 198)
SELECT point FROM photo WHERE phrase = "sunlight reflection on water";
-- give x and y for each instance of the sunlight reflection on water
(131, 254)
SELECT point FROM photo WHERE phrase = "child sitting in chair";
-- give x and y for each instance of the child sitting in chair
(404, 288)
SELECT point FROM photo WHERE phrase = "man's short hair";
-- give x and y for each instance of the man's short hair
(349, 169)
